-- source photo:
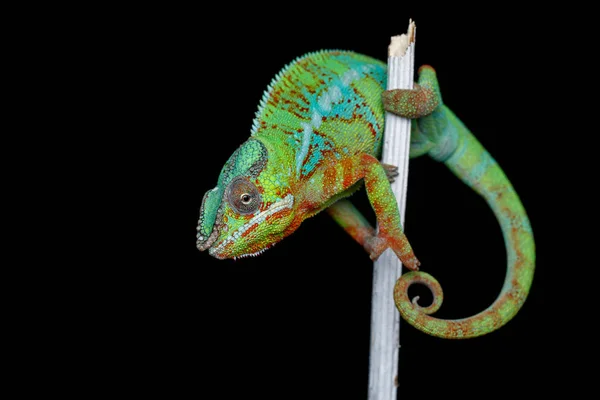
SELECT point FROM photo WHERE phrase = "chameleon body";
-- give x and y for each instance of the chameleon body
(316, 139)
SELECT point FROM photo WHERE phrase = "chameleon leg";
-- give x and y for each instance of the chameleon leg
(384, 203)
(341, 176)
(351, 220)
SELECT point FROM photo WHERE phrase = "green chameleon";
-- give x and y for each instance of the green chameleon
(316, 139)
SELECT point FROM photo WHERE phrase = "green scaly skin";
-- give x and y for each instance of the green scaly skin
(316, 139)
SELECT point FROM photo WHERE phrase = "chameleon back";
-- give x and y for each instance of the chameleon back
(324, 106)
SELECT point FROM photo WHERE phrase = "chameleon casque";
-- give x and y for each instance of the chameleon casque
(316, 139)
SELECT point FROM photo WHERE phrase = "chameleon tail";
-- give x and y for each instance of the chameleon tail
(474, 166)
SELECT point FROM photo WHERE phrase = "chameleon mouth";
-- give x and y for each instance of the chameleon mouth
(203, 245)
(218, 250)
(210, 219)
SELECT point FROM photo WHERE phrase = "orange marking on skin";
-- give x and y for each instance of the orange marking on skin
(278, 214)
(420, 319)
(251, 229)
(329, 178)
(520, 262)
(497, 320)
(372, 129)
(348, 168)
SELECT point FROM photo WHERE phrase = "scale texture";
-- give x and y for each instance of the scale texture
(317, 138)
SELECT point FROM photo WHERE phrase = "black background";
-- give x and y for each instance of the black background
(183, 85)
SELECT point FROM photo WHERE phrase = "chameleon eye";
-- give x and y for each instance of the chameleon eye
(246, 198)
(243, 196)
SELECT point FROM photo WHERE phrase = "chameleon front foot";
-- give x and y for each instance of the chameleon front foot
(376, 245)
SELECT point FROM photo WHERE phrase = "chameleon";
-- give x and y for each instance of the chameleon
(317, 138)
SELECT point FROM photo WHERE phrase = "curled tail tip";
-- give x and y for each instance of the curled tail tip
(493, 318)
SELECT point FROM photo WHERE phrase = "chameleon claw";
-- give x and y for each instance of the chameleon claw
(376, 245)
(391, 172)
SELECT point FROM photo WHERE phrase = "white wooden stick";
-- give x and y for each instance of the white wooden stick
(385, 319)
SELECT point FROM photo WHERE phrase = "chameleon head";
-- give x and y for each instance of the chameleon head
(248, 211)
